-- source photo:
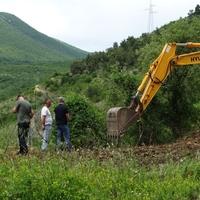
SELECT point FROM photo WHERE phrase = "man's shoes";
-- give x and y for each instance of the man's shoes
(22, 153)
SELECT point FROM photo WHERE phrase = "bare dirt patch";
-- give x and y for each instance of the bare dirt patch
(188, 146)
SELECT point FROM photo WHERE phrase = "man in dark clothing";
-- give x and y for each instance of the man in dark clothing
(62, 117)
(24, 115)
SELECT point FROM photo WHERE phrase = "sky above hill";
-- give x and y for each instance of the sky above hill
(94, 25)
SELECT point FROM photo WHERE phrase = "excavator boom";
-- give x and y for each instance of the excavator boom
(120, 118)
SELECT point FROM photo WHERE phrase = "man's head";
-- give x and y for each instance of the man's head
(47, 102)
(61, 100)
(20, 98)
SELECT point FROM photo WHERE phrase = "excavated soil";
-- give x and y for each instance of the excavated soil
(189, 146)
(186, 147)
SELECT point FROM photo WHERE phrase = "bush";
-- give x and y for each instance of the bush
(94, 93)
(126, 81)
(86, 123)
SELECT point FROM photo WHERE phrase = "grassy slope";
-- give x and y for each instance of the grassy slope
(20, 42)
(28, 57)
(15, 79)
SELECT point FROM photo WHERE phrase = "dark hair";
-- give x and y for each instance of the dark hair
(19, 95)
(46, 100)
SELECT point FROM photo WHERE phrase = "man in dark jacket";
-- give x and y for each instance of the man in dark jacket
(24, 115)
(62, 118)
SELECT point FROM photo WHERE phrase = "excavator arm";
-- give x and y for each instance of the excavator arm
(120, 118)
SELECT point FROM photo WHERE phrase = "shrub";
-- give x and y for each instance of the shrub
(86, 122)
(94, 93)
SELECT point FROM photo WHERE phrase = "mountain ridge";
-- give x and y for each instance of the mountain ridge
(21, 42)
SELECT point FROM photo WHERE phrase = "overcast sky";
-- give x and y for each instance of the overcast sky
(94, 25)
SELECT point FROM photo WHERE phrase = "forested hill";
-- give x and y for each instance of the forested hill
(20, 43)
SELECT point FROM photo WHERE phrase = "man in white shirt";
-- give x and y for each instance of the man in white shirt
(46, 120)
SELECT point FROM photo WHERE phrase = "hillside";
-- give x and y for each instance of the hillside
(109, 79)
(28, 57)
(21, 43)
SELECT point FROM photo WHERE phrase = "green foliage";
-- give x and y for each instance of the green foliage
(195, 12)
(91, 63)
(77, 67)
(16, 79)
(122, 57)
(127, 82)
(72, 177)
(94, 93)
(86, 122)
(41, 181)
(182, 114)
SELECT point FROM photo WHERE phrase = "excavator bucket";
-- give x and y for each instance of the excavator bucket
(119, 119)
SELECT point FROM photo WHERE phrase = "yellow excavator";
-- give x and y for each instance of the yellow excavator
(120, 118)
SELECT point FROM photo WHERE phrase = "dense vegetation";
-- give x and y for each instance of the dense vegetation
(15, 79)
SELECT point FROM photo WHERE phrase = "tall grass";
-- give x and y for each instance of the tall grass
(8, 136)
(71, 176)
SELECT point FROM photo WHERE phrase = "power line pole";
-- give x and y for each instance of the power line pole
(150, 16)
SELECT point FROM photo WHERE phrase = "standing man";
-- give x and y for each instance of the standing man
(46, 120)
(62, 118)
(24, 115)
